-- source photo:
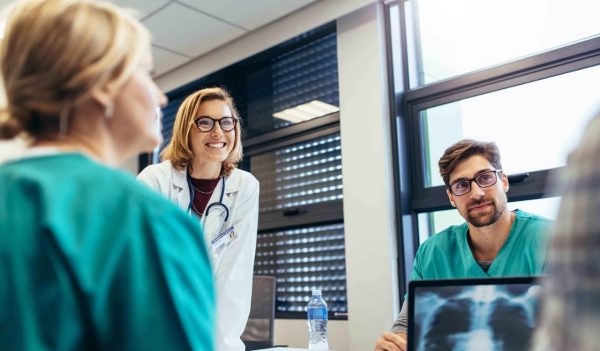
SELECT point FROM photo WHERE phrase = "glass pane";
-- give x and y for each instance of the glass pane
(295, 86)
(461, 36)
(303, 259)
(302, 174)
(304, 75)
(434, 222)
(535, 125)
(295, 81)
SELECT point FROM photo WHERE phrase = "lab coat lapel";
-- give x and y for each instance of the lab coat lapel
(180, 185)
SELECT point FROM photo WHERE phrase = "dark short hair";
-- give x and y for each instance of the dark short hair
(464, 149)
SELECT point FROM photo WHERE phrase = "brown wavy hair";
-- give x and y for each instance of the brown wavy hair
(464, 149)
(179, 152)
(55, 54)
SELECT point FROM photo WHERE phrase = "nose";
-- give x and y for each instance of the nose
(162, 99)
(476, 191)
(217, 129)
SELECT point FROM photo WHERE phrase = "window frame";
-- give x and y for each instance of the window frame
(541, 66)
(330, 212)
(407, 128)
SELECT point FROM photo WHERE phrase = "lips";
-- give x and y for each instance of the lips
(479, 207)
(216, 145)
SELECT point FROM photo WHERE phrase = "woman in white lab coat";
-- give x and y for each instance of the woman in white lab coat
(199, 173)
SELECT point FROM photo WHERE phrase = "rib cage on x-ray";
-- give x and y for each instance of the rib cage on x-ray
(475, 318)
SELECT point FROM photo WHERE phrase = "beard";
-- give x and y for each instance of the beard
(484, 219)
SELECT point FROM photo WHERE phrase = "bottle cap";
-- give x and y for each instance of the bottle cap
(316, 292)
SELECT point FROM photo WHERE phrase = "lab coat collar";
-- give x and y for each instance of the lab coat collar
(232, 182)
(179, 177)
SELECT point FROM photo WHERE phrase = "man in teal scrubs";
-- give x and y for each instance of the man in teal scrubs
(493, 242)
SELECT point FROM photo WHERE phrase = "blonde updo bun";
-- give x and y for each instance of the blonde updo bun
(56, 53)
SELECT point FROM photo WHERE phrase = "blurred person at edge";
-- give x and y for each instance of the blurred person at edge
(570, 313)
(90, 258)
(492, 242)
(199, 173)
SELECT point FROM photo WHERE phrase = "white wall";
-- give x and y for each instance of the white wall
(367, 176)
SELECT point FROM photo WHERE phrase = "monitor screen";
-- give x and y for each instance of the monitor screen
(465, 317)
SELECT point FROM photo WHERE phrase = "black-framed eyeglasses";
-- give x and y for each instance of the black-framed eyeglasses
(484, 180)
(206, 124)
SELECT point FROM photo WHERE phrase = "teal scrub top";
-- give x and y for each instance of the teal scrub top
(92, 260)
(447, 255)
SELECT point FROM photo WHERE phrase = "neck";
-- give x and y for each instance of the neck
(203, 169)
(89, 134)
(96, 146)
(487, 241)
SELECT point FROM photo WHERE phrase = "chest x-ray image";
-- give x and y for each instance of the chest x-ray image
(475, 318)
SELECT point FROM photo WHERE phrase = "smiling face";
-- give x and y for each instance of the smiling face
(213, 146)
(481, 206)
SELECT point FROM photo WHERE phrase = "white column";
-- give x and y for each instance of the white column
(367, 176)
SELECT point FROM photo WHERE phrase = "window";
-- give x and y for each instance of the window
(301, 239)
(558, 107)
(301, 174)
(287, 97)
(461, 36)
(302, 259)
(461, 71)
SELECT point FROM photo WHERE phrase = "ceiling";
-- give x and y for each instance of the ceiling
(185, 29)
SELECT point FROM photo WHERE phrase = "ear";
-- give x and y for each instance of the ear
(505, 184)
(450, 197)
(102, 98)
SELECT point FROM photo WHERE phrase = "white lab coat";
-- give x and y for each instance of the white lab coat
(233, 266)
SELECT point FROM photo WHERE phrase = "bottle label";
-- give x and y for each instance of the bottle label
(317, 313)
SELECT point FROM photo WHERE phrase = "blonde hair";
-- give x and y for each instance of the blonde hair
(56, 53)
(179, 152)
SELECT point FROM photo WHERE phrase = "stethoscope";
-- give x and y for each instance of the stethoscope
(211, 206)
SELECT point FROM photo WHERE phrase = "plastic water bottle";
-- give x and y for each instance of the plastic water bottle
(317, 322)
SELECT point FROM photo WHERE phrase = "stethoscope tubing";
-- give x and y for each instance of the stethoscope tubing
(210, 206)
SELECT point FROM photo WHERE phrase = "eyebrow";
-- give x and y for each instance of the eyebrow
(476, 174)
(212, 117)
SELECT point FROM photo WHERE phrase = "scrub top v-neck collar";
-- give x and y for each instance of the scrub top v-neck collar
(470, 262)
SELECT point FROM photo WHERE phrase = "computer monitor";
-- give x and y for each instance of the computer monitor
(496, 314)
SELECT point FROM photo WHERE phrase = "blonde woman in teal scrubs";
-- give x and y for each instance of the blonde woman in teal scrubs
(89, 258)
(493, 242)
